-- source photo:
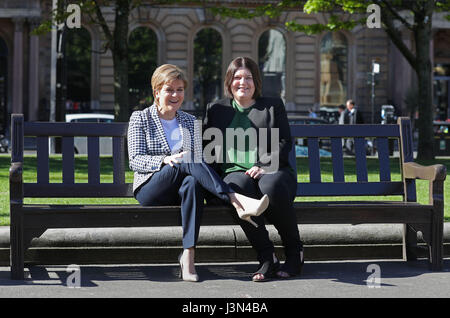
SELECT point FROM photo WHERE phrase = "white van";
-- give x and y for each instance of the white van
(80, 143)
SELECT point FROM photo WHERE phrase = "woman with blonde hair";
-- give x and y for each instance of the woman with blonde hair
(165, 153)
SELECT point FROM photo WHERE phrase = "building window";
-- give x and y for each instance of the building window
(333, 69)
(207, 67)
(272, 62)
(142, 62)
(78, 69)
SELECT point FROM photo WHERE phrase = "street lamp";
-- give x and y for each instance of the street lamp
(375, 70)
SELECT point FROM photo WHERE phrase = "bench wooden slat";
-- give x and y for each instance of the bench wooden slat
(349, 188)
(383, 159)
(364, 215)
(42, 173)
(118, 160)
(17, 140)
(361, 162)
(122, 216)
(75, 129)
(61, 216)
(314, 160)
(68, 160)
(337, 159)
(93, 160)
(77, 190)
(80, 190)
(323, 131)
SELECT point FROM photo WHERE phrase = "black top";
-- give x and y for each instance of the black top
(267, 112)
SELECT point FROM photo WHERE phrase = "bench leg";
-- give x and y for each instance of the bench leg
(437, 242)
(17, 247)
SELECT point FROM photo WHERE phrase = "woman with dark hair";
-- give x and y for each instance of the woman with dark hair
(251, 171)
(165, 154)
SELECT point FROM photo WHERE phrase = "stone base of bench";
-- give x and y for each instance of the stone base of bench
(205, 254)
(216, 244)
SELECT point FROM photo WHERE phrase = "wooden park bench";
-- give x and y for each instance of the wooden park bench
(31, 220)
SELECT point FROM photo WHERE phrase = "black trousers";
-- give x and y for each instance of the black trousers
(281, 188)
(184, 183)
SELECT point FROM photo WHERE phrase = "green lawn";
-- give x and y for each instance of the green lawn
(106, 176)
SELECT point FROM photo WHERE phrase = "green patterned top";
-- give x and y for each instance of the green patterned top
(239, 154)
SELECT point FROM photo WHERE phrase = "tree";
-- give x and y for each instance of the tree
(116, 40)
(414, 16)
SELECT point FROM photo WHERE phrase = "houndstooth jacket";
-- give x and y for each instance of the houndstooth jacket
(147, 143)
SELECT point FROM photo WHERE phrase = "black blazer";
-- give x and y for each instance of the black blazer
(356, 118)
(268, 112)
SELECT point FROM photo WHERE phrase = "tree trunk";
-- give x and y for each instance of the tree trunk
(120, 60)
(423, 69)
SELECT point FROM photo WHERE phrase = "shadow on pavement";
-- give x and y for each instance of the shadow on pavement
(346, 272)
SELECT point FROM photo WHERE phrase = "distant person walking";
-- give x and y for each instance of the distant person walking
(351, 116)
(354, 115)
(312, 113)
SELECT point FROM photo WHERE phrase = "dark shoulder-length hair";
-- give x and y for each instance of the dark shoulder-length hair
(249, 64)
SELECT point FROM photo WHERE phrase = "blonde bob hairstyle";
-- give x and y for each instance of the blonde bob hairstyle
(166, 73)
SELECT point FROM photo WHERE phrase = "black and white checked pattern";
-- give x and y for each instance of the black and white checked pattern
(147, 143)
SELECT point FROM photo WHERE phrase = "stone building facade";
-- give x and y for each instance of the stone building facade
(314, 74)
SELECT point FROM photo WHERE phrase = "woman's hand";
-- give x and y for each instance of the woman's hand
(173, 159)
(255, 172)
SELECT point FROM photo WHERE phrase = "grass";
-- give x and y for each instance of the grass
(55, 176)
(55, 164)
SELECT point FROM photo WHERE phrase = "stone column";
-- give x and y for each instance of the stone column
(17, 74)
(33, 79)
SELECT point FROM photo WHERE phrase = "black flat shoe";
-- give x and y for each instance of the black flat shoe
(268, 271)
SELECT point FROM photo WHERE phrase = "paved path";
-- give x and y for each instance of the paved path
(319, 279)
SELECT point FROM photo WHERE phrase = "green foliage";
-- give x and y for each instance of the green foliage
(349, 6)
(352, 10)
(271, 10)
(444, 6)
(334, 23)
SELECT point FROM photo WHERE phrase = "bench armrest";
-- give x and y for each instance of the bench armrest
(412, 170)
(15, 172)
(16, 183)
(436, 175)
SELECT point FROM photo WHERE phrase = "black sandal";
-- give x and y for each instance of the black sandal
(268, 269)
(291, 267)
